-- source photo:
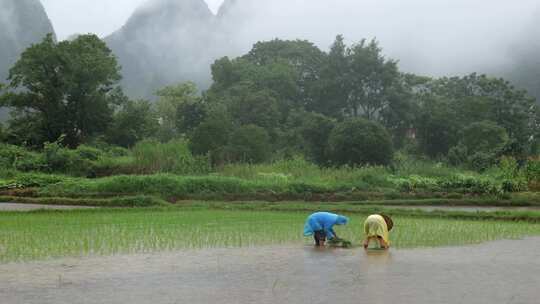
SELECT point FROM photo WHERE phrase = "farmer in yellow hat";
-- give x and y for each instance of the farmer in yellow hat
(376, 228)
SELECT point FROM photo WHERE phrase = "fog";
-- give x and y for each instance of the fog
(429, 37)
(101, 17)
(442, 37)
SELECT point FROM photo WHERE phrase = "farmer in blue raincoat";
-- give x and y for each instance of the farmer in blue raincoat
(321, 224)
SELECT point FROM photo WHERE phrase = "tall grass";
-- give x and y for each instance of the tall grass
(41, 235)
(171, 157)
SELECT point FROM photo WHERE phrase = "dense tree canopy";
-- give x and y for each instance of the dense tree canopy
(348, 106)
(65, 88)
(357, 141)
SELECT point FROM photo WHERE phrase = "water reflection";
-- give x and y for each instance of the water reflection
(489, 273)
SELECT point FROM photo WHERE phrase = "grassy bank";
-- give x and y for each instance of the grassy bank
(217, 187)
(40, 235)
(165, 172)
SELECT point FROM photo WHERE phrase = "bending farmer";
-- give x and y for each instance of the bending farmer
(376, 228)
(320, 226)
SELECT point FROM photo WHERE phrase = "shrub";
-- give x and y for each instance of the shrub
(210, 137)
(63, 160)
(315, 131)
(532, 171)
(249, 144)
(89, 153)
(360, 142)
(481, 161)
(14, 157)
(457, 155)
(484, 137)
(174, 157)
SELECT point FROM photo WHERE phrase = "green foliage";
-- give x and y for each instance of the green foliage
(481, 161)
(308, 132)
(72, 93)
(180, 109)
(371, 81)
(173, 157)
(248, 107)
(360, 142)
(14, 157)
(3, 134)
(458, 155)
(484, 136)
(211, 136)
(450, 106)
(75, 162)
(248, 144)
(135, 121)
(437, 129)
(532, 172)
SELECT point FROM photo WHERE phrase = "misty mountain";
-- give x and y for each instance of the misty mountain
(169, 41)
(524, 69)
(165, 42)
(22, 22)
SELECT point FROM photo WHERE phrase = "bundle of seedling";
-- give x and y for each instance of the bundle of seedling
(338, 242)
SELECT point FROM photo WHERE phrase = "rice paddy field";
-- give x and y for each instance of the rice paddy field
(78, 233)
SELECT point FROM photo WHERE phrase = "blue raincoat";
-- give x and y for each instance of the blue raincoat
(323, 221)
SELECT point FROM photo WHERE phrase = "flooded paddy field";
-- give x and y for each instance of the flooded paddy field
(496, 272)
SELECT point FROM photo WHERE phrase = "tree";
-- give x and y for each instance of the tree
(135, 121)
(484, 136)
(479, 97)
(250, 106)
(315, 131)
(67, 88)
(358, 141)
(212, 135)
(189, 116)
(179, 109)
(2, 133)
(437, 128)
(332, 90)
(248, 144)
(232, 78)
(371, 80)
(302, 56)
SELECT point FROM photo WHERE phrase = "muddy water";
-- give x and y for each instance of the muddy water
(498, 272)
(32, 207)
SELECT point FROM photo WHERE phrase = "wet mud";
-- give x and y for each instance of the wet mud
(496, 272)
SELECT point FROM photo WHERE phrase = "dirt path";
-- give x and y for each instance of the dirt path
(32, 207)
(497, 272)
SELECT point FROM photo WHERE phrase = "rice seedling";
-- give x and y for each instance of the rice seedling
(53, 234)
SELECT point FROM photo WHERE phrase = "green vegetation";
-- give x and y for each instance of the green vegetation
(348, 106)
(294, 179)
(287, 125)
(41, 235)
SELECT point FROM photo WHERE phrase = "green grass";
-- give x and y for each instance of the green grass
(532, 216)
(53, 234)
(127, 201)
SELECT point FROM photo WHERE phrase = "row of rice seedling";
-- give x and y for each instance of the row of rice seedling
(42, 235)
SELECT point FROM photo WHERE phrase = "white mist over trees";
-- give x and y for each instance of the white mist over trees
(168, 41)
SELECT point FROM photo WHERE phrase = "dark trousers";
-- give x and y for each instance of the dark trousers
(319, 237)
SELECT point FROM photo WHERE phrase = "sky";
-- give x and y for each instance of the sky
(101, 17)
